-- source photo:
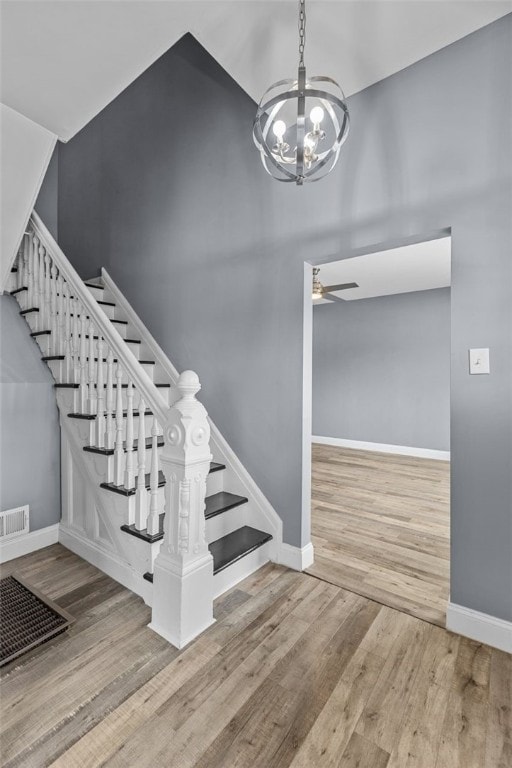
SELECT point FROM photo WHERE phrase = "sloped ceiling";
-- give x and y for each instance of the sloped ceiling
(62, 62)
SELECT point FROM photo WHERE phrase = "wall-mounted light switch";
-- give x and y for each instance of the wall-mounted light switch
(479, 361)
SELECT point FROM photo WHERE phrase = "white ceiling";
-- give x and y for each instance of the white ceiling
(63, 61)
(418, 267)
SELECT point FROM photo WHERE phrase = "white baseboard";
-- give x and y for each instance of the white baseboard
(401, 450)
(29, 542)
(108, 562)
(480, 626)
(296, 558)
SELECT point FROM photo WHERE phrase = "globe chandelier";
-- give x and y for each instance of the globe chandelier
(301, 124)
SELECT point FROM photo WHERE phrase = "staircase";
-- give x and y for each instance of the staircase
(151, 492)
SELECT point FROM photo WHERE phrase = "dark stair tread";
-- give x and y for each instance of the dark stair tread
(40, 333)
(106, 303)
(131, 491)
(144, 535)
(215, 466)
(14, 269)
(232, 547)
(110, 451)
(121, 489)
(19, 290)
(221, 502)
(92, 416)
(120, 322)
(30, 309)
(53, 357)
(133, 341)
(66, 386)
(125, 386)
(93, 285)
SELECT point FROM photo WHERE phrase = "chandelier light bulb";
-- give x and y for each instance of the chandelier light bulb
(316, 115)
(309, 153)
(279, 129)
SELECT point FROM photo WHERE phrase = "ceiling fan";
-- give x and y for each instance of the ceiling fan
(326, 291)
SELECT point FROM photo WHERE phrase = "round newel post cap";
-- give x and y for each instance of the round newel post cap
(188, 385)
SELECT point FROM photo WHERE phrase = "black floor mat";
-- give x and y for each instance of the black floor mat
(27, 618)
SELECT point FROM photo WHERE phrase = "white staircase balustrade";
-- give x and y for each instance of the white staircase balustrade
(141, 494)
(150, 453)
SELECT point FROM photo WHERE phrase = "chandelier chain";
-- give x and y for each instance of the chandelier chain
(302, 31)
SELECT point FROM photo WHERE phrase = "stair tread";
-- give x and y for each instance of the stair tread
(120, 322)
(110, 451)
(106, 303)
(232, 547)
(93, 285)
(92, 416)
(18, 290)
(53, 357)
(121, 489)
(66, 386)
(221, 502)
(30, 309)
(40, 333)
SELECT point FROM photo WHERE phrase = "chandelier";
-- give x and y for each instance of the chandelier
(301, 124)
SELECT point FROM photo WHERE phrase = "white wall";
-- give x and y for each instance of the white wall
(26, 149)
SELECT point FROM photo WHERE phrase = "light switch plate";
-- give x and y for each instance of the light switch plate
(479, 361)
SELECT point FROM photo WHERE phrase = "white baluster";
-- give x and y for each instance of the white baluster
(35, 274)
(30, 256)
(68, 347)
(100, 411)
(41, 303)
(109, 425)
(26, 253)
(47, 289)
(129, 472)
(154, 508)
(84, 389)
(61, 331)
(75, 337)
(54, 320)
(119, 447)
(92, 371)
(141, 495)
(21, 264)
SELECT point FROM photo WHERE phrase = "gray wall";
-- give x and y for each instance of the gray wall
(210, 252)
(381, 369)
(47, 200)
(29, 427)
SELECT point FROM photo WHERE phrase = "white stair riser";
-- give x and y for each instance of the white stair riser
(238, 571)
(97, 293)
(86, 428)
(226, 522)
(56, 367)
(215, 482)
(72, 396)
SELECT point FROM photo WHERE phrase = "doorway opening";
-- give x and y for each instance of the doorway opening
(380, 493)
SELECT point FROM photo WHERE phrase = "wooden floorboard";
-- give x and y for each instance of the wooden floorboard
(295, 672)
(381, 528)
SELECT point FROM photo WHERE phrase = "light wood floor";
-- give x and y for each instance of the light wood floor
(295, 672)
(381, 528)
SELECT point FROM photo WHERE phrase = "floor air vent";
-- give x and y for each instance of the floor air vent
(14, 522)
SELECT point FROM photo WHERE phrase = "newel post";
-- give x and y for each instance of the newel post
(183, 572)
